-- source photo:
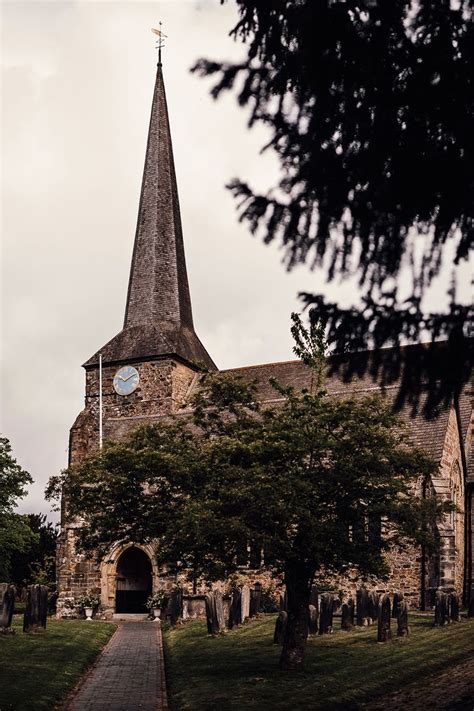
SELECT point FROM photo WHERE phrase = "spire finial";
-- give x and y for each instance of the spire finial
(160, 42)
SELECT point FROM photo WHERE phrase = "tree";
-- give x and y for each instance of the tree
(15, 534)
(299, 481)
(36, 563)
(370, 110)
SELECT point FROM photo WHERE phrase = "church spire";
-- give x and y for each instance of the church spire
(158, 288)
(158, 317)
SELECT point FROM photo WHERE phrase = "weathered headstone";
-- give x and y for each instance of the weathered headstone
(7, 606)
(284, 601)
(280, 627)
(174, 608)
(374, 599)
(397, 597)
(313, 620)
(384, 633)
(235, 608)
(441, 608)
(215, 613)
(362, 607)
(326, 608)
(347, 615)
(255, 600)
(245, 600)
(402, 619)
(453, 605)
(36, 610)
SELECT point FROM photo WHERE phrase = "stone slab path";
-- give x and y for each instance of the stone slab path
(129, 673)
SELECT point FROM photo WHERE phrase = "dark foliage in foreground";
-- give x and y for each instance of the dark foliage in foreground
(370, 109)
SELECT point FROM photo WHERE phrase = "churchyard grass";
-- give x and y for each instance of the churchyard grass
(239, 670)
(39, 669)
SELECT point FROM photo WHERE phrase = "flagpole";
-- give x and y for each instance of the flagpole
(100, 401)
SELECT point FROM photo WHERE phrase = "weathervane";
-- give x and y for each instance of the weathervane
(160, 42)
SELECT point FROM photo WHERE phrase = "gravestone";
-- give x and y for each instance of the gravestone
(397, 597)
(326, 608)
(347, 615)
(313, 620)
(374, 598)
(313, 596)
(453, 605)
(362, 607)
(402, 619)
(384, 633)
(174, 608)
(441, 608)
(214, 613)
(7, 606)
(245, 601)
(235, 608)
(284, 601)
(36, 610)
(280, 627)
(255, 600)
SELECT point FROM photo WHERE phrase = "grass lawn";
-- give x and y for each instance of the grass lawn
(239, 670)
(38, 670)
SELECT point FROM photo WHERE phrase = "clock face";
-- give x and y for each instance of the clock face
(126, 380)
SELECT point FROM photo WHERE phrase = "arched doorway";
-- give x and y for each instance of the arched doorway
(134, 581)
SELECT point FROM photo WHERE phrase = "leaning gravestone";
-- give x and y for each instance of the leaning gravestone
(397, 597)
(453, 608)
(347, 615)
(280, 627)
(326, 608)
(255, 600)
(174, 608)
(313, 620)
(245, 601)
(7, 606)
(36, 610)
(374, 599)
(362, 607)
(235, 608)
(441, 608)
(384, 633)
(214, 613)
(402, 619)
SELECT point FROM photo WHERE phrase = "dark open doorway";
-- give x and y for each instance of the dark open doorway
(133, 581)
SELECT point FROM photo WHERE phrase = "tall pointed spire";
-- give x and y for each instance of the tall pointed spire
(158, 316)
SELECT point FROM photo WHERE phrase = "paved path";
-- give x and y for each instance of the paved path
(128, 675)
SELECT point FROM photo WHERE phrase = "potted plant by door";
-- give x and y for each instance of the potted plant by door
(156, 603)
(89, 602)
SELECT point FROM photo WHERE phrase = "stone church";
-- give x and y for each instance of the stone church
(150, 370)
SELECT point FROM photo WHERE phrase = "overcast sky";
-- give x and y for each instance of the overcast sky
(77, 84)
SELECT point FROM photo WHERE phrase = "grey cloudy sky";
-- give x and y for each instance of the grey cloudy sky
(77, 83)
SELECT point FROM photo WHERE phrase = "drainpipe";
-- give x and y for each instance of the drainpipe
(423, 561)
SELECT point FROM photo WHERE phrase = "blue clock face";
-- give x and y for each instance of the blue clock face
(126, 380)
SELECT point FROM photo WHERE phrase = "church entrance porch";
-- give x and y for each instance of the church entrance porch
(134, 581)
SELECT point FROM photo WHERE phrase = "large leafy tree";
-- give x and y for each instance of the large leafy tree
(36, 563)
(369, 105)
(15, 533)
(304, 482)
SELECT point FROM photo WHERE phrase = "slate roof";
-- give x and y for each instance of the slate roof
(158, 316)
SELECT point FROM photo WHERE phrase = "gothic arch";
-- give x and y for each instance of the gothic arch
(108, 572)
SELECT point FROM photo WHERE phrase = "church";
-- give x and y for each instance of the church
(150, 370)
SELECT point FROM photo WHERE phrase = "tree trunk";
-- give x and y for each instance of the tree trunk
(298, 587)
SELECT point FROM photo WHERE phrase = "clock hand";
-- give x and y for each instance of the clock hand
(130, 376)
